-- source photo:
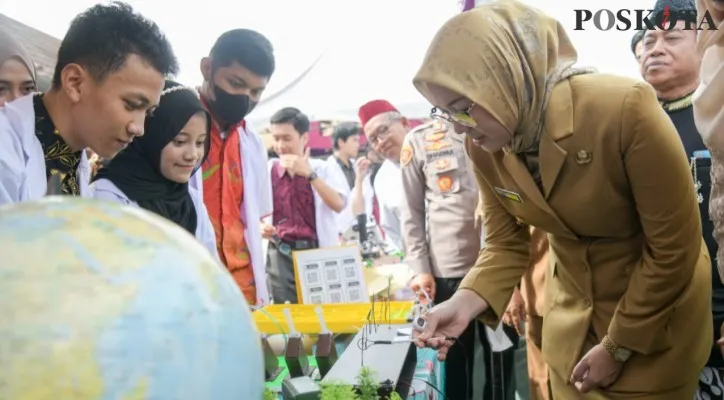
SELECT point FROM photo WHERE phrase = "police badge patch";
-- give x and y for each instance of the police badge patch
(406, 155)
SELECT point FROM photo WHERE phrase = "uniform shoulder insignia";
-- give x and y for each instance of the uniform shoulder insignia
(435, 145)
(406, 154)
(422, 128)
(439, 125)
(436, 131)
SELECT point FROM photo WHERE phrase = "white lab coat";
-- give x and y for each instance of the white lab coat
(391, 199)
(325, 217)
(346, 218)
(22, 161)
(257, 203)
(104, 189)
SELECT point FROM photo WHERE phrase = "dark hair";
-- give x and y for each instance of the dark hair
(291, 115)
(685, 10)
(343, 132)
(682, 6)
(637, 37)
(249, 48)
(101, 38)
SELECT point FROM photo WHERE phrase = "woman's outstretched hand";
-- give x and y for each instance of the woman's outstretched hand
(447, 321)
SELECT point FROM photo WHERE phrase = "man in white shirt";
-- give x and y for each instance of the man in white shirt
(345, 140)
(109, 76)
(307, 195)
(385, 129)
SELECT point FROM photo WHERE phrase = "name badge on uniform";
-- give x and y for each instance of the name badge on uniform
(509, 195)
(442, 164)
(435, 146)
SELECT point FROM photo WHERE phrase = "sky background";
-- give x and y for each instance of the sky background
(369, 48)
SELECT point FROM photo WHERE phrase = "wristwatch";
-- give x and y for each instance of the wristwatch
(618, 353)
(312, 176)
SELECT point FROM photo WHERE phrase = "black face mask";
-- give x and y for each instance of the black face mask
(231, 108)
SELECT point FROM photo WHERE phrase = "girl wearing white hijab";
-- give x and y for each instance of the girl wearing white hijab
(17, 71)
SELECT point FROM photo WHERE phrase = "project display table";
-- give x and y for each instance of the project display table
(428, 370)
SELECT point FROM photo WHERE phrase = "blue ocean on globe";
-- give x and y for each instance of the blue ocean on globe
(102, 301)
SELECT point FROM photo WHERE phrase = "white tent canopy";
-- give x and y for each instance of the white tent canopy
(373, 53)
(355, 67)
(365, 49)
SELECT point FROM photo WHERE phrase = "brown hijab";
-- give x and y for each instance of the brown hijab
(506, 57)
(11, 48)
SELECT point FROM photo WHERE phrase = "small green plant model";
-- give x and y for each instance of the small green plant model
(338, 392)
(366, 383)
(269, 394)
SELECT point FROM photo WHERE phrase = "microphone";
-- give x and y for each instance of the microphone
(362, 227)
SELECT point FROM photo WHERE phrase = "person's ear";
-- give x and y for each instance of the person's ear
(205, 67)
(405, 122)
(73, 80)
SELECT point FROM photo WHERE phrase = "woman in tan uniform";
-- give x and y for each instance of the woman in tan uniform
(528, 305)
(594, 161)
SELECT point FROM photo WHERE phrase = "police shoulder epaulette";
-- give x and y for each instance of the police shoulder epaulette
(423, 128)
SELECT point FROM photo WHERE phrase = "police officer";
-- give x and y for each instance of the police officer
(442, 242)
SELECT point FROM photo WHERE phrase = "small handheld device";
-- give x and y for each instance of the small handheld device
(419, 324)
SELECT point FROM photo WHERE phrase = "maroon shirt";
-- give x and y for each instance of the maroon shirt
(293, 206)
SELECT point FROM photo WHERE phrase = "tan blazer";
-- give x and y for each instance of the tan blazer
(627, 256)
(532, 285)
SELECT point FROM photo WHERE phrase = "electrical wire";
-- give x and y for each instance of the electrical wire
(456, 341)
(427, 296)
(364, 343)
(275, 322)
(435, 388)
(468, 388)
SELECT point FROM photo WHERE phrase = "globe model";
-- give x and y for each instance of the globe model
(103, 301)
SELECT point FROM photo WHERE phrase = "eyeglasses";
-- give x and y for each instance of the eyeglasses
(461, 117)
(381, 133)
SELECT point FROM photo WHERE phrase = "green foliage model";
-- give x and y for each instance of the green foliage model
(367, 385)
(269, 394)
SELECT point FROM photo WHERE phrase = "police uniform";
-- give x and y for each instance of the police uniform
(436, 176)
(441, 237)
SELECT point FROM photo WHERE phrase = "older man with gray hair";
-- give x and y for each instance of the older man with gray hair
(385, 129)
